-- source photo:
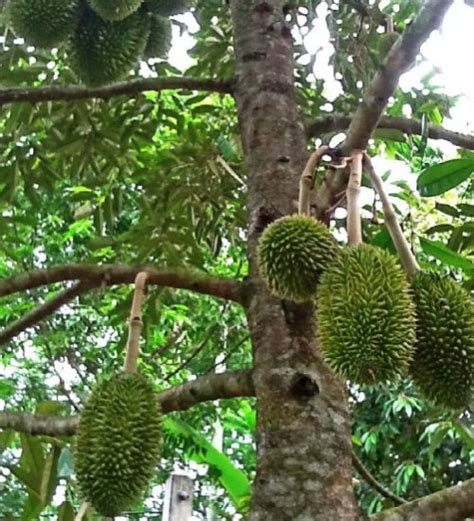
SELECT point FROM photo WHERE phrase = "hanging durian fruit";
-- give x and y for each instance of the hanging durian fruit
(103, 52)
(292, 253)
(119, 434)
(443, 365)
(366, 316)
(118, 443)
(167, 7)
(43, 23)
(365, 313)
(159, 41)
(114, 10)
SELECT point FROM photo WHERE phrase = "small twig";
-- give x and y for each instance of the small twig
(41, 312)
(307, 178)
(354, 228)
(391, 222)
(82, 511)
(135, 324)
(372, 481)
(193, 355)
(228, 354)
(177, 336)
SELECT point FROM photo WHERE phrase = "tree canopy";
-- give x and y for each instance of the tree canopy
(97, 182)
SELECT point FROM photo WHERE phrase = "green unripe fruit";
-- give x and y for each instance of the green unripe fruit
(103, 52)
(43, 23)
(118, 443)
(159, 41)
(443, 365)
(292, 253)
(114, 10)
(365, 316)
(167, 7)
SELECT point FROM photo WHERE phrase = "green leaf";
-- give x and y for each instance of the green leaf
(231, 478)
(7, 389)
(466, 209)
(437, 439)
(440, 178)
(446, 255)
(464, 433)
(447, 209)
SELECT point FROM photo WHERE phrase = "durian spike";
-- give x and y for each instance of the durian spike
(410, 265)
(135, 324)
(307, 177)
(354, 228)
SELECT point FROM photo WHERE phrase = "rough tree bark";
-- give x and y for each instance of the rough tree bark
(304, 468)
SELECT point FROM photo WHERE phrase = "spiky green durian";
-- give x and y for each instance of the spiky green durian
(159, 41)
(43, 23)
(103, 52)
(443, 365)
(167, 7)
(366, 316)
(292, 253)
(118, 442)
(114, 10)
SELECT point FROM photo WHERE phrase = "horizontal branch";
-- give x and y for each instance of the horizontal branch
(401, 57)
(338, 122)
(109, 274)
(41, 312)
(451, 504)
(125, 88)
(207, 388)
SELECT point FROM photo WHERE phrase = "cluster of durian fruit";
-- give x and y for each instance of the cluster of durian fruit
(104, 39)
(375, 324)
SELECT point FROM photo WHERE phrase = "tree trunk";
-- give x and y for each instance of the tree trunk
(304, 470)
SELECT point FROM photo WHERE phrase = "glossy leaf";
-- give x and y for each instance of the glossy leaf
(442, 177)
(446, 255)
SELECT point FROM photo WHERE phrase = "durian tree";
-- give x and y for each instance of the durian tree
(114, 161)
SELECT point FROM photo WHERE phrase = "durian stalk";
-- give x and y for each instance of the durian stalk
(354, 228)
(391, 222)
(82, 511)
(135, 324)
(307, 178)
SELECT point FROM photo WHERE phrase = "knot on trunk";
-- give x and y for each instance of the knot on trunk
(303, 387)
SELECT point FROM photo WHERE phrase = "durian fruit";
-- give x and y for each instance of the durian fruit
(43, 23)
(159, 41)
(443, 365)
(167, 7)
(293, 252)
(365, 316)
(118, 443)
(114, 10)
(103, 52)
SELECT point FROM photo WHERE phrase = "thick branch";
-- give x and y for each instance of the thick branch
(126, 88)
(206, 388)
(41, 312)
(338, 122)
(451, 504)
(400, 58)
(108, 275)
